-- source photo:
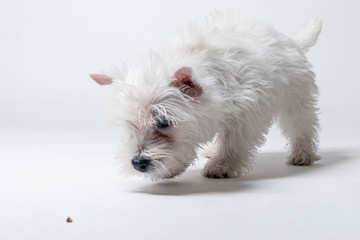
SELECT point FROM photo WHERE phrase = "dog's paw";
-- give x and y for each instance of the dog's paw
(303, 159)
(216, 175)
(217, 171)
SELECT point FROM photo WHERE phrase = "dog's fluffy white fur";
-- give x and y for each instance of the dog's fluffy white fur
(224, 77)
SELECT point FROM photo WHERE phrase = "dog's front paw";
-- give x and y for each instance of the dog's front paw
(217, 171)
(216, 175)
(303, 159)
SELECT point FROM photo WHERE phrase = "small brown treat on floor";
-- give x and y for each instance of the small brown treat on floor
(69, 220)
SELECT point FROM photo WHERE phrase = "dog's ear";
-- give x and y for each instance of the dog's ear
(101, 79)
(184, 80)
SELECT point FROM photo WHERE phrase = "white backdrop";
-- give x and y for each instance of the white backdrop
(56, 148)
(48, 48)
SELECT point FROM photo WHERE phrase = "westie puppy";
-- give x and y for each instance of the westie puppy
(224, 78)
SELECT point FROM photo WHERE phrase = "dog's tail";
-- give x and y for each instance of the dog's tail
(308, 37)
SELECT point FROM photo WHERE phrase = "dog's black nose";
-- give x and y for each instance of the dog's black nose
(141, 163)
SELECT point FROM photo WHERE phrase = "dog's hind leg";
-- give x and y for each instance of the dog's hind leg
(299, 122)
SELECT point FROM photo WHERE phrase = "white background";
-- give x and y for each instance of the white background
(57, 150)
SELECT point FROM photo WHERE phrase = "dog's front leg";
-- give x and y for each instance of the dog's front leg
(229, 156)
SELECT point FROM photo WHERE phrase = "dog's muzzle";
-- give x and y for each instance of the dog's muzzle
(141, 163)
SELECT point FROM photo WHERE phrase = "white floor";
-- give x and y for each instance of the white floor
(46, 177)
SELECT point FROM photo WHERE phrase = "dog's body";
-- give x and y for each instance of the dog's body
(224, 77)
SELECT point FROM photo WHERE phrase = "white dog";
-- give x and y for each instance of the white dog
(223, 77)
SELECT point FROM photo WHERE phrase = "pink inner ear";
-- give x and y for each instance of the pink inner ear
(101, 79)
(184, 81)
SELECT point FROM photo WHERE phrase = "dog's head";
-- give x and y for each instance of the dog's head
(160, 116)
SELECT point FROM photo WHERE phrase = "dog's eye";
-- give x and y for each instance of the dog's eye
(163, 123)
